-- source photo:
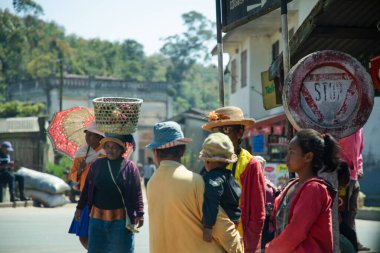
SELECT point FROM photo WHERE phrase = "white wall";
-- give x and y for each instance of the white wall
(261, 58)
(241, 97)
(259, 48)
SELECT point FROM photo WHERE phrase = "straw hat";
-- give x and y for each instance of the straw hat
(218, 148)
(228, 115)
(167, 134)
(119, 139)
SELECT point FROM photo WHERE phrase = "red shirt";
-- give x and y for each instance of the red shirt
(351, 148)
(310, 222)
(250, 177)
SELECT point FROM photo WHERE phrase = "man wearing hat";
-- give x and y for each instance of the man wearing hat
(247, 171)
(175, 199)
(7, 174)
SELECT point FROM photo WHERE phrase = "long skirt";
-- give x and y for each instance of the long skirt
(109, 236)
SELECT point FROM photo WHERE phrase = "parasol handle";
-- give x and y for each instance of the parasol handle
(82, 165)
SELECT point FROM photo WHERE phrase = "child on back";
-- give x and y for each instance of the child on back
(221, 188)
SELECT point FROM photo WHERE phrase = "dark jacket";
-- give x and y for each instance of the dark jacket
(221, 188)
(131, 188)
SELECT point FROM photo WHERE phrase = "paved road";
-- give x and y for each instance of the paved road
(44, 230)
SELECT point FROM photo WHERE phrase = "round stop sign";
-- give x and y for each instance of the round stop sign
(328, 91)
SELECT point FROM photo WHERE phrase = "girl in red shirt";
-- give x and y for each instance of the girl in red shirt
(302, 212)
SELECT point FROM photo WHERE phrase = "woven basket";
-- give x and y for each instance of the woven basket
(117, 115)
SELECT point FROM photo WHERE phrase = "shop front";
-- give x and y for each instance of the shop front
(267, 139)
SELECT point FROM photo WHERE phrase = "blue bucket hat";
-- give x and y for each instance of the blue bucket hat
(167, 134)
(7, 145)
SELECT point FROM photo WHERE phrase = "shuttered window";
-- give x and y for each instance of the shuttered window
(243, 64)
(233, 76)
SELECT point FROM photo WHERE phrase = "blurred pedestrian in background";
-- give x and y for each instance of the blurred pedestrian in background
(148, 171)
(351, 153)
(7, 173)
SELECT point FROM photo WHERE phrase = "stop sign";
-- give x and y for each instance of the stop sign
(328, 91)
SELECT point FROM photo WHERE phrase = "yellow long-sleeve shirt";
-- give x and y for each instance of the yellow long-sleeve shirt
(175, 199)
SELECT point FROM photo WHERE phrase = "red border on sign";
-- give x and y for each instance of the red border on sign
(361, 79)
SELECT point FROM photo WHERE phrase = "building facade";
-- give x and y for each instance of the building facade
(81, 90)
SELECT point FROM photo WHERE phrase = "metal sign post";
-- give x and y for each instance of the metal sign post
(286, 61)
(220, 52)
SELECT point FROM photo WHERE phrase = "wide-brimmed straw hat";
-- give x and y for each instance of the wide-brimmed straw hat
(228, 115)
(92, 128)
(218, 147)
(167, 134)
(119, 139)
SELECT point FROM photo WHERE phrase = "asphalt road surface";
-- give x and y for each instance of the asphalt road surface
(44, 230)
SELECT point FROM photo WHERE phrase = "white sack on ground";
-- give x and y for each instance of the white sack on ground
(47, 199)
(42, 181)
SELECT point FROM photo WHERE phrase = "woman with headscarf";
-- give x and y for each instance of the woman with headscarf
(113, 193)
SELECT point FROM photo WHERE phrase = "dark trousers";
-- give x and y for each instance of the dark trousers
(146, 180)
(8, 177)
(353, 190)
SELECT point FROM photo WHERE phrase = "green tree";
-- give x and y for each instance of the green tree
(186, 48)
(188, 53)
(27, 6)
(20, 109)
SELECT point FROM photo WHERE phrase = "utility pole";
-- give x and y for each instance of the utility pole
(286, 54)
(60, 62)
(220, 51)
(286, 61)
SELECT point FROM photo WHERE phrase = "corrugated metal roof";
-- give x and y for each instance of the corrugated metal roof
(19, 125)
(351, 26)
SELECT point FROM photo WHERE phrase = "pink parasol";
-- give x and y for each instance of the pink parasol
(66, 129)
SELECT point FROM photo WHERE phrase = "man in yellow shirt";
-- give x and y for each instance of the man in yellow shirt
(175, 199)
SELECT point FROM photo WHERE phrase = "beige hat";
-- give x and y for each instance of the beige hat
(228, 115)
(218, 148)
(92, 128)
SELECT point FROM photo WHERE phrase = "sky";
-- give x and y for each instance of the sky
(116, 20)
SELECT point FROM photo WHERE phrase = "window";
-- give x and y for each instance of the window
(243, 64)
(233, 76)
(275, 50)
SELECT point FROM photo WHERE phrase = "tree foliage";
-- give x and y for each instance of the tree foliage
(188, 53)
(31, 48)
(20, 109)
(27, 6)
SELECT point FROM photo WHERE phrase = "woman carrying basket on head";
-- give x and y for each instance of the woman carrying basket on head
(113, 193)
(83, 159)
